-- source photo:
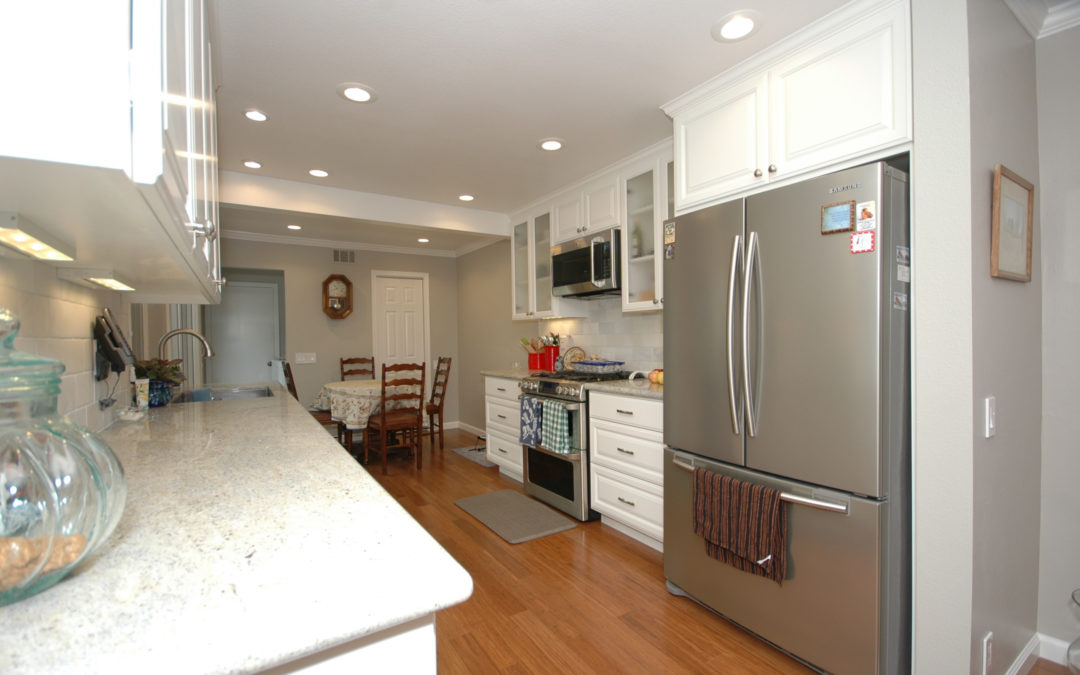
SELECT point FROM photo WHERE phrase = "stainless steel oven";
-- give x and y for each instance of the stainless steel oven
(561, 479)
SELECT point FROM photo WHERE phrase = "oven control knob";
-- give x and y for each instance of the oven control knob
(560, 390)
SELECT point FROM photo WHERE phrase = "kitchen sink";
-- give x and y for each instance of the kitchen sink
(222, 393)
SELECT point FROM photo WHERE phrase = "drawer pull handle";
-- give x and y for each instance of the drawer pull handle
(500, 388)
(502, 451)
(626, 501)
(624, 412)
(502, 417)
(625, 452)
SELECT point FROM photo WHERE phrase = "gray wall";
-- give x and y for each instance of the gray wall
(308, 329)
(1059, 189)
(488, 338)
(1006, 323)
(941, 276)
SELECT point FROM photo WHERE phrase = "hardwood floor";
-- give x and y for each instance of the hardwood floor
(587, 600)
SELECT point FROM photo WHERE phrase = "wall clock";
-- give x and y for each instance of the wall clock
(337, 296)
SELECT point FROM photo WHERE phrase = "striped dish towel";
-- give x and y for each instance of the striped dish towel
(743, 524)
(556, 427)
(530, 421)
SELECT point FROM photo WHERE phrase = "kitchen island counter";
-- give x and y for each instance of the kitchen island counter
(250, 539)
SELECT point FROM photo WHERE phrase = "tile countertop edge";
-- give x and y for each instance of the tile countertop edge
(249, 539)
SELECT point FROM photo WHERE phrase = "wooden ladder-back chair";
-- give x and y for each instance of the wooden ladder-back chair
(321, 416)
(434, 407)
(360, 366)
(399, 422)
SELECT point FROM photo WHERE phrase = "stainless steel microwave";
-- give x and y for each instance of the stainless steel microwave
(589, 265)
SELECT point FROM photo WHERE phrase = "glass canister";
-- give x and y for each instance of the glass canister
(62, 486)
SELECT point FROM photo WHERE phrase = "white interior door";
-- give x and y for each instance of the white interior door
(244, 332)
(399, 318)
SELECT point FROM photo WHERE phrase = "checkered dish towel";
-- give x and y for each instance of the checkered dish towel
(556, 427)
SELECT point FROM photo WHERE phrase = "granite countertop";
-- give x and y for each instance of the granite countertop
(250, 538)
(509, 373)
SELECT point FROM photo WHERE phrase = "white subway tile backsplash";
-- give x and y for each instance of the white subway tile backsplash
(636, 338)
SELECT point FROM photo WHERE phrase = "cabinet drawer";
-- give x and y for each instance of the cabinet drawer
(500, 387)
(505, 452)
(642, 412)
(639, 453)
(634, 503)
(503, 416)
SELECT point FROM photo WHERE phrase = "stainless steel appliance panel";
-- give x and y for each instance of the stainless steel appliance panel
(818, 394)
(703, 408)
(829, 609)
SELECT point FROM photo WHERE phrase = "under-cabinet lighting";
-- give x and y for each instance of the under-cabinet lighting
(31, 240)
(105, 278)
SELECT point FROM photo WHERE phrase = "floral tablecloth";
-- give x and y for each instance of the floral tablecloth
(351, 401)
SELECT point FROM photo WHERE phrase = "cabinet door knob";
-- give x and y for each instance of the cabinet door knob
(772, 168)
(655, 301)
(758, 173)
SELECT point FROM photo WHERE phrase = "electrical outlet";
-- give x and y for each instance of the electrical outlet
(987, 652)
(305, 357)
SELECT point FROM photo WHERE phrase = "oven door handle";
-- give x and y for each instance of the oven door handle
(568, 456)
(572, 407)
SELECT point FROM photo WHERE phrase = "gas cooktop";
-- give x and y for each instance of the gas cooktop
(565, 384)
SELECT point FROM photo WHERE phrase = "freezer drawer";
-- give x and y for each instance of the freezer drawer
(836, 609)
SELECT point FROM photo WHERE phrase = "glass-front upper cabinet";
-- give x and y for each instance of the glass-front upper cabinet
(530, 259)
(645, 193)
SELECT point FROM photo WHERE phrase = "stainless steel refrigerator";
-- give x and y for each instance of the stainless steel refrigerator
(786, 363)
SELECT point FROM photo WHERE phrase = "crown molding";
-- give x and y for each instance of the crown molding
(1041, 18)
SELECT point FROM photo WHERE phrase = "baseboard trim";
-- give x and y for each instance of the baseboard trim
(468, 427)
(1052, 649)
(1028, 653)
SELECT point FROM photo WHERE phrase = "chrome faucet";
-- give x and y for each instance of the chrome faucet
(182, 331)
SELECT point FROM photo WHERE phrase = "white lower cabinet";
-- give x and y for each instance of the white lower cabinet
(502, 414)
(626, 479)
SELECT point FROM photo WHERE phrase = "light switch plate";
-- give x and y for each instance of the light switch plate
(990, 416)
(305, 357)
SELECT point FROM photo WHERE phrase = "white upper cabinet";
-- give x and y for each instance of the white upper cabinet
(530, 265)
(116, 149)
(646, 204)
(838, 91)
(601, 204)
(567, 214)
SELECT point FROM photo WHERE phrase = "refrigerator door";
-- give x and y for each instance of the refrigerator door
(835, 609)
(703, 410)
(814, 333)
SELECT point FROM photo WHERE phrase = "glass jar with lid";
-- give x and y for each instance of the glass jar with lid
(62, 486)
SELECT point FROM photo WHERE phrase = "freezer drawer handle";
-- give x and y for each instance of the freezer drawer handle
(786, 496)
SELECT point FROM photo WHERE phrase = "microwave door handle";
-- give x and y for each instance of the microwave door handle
(732, 281)
(592, 262)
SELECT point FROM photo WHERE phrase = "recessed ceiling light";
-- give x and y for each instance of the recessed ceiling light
(318, 173)
(252, 164)
(293, 227)
(256, 115)
(735, 26)
(356, 92)
(550, 144)
(423, 240)
(466, 198)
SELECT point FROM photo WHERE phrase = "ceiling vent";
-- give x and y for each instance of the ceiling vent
(344, 256)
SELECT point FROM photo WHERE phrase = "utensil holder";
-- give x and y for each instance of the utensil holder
(548, 358)
(534, 361)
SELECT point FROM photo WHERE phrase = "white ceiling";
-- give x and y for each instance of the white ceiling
(466, 89)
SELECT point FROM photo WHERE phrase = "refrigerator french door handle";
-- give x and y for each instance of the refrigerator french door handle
(732, 280)
(751, 257)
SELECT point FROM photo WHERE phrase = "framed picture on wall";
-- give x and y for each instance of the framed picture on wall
(1010, 239)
